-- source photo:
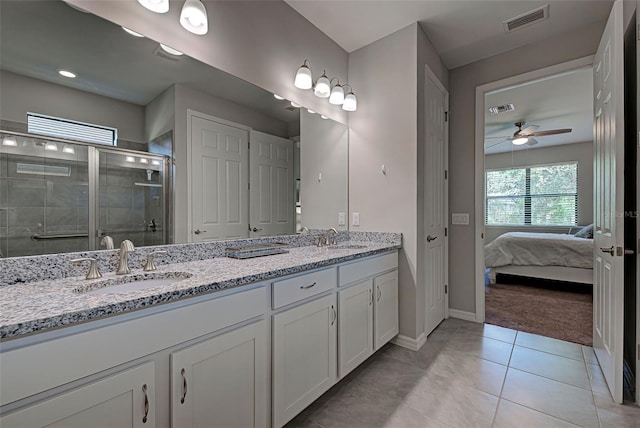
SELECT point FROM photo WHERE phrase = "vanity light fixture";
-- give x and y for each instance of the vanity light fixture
(67, 73)
(296, 105)
(350, 101)
(133, 33)
(51, 146)
(171, 50)
(144, 160)
(9, 141)
(193, 17)
(68, 149)
(155, 162)
(520, 141)
(303, 76)
(323, 87)
(278, 97)
(337, 94)
(157, 6)
(322, 116)
(311, 111)
(130, 159)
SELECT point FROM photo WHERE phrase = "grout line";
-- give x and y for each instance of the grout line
(504, 381)
(593, 397)
(541, 412)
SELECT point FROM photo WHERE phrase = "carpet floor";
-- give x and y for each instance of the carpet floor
(559, 310)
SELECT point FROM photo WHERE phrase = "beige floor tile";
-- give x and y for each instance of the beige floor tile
(510, 415)
(552, 366)
(422, 358)
(482, 347)
(589, 355)
(554, 398)
(597, 380)
(487, 330)
(408, 417)
(552, 346)
(613, 415)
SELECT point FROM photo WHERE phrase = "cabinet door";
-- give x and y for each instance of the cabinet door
(304, 356)
(356, 326)
(386, 308)
(222, 381)
(121, 400)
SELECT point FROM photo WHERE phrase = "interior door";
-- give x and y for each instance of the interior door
(608, 286)
(271, 196)
(219, 180)
(435, 201)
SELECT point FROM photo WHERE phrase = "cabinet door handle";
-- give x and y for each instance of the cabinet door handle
(379, 293)
(306, 287)
(184, 386)
(146, 404)
(334, 315)
(370, 297)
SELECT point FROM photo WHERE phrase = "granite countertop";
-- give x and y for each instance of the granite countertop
(33, 307)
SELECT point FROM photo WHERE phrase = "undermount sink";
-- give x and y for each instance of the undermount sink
(347, 247)
(129, 283)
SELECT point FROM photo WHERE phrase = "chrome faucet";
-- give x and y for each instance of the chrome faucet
(125, 248)
(334, 241)
(107, 241)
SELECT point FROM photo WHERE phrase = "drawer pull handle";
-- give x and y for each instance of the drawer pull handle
(370, 297)
(306, 287)
(146, 404)
(379, 293)
(184, 386)
(334, 315)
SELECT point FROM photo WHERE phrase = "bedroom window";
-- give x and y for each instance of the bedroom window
(541, 195)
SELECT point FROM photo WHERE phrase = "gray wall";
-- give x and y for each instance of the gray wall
(463, 82)
(21, 94)
(385, 131)
(577, 152)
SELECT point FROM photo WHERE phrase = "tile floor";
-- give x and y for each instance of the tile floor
(473, 375)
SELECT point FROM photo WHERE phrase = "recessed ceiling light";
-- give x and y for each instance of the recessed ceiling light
(171, 50)
(278, 97)
(67, 73)
(133, 33)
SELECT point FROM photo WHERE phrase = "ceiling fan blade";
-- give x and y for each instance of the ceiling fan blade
(493, 138)
(529, 129)
(532, 141)
(550, 132)
(495, 144)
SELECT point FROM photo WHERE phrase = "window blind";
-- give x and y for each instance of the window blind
(542, 195)
(71, 130)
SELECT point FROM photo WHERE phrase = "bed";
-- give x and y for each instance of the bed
(560, 257)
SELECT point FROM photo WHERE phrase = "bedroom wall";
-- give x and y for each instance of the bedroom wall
(578, 152)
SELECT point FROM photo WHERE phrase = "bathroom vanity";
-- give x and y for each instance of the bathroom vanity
(225, 343)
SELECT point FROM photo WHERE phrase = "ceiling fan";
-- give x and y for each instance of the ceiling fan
(525, 136)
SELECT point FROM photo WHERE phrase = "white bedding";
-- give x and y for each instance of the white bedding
(539, 249)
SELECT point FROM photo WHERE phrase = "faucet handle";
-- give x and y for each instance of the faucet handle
(150, 265)
(93, 272)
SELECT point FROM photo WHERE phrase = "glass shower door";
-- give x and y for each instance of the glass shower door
(44, 195)
(131, 199)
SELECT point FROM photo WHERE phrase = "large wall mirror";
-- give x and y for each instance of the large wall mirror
(200, 155)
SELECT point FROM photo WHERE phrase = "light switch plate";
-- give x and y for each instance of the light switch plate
(460, 218)
(356, 219)
(342, 219)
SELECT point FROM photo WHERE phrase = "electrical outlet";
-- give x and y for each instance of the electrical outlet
(342, 219)
(356, 219)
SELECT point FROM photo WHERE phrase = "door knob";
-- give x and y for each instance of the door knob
(256, 229)
(611, 250)
(198, 231)
(431, 238)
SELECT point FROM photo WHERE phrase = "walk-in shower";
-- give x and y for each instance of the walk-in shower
(58, 196)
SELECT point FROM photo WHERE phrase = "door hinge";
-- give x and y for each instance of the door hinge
(445, 232)
(446, 289)
(446, 116)
(639, 351)
(638, 32)
(446, 174)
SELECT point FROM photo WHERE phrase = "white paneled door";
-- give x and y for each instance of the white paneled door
(435, 201)
(608, 286)
(219, 188)
(272, 210)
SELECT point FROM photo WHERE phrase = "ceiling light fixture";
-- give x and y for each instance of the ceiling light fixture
(171, 50)
(9, 141)
(303, 76)
(67, 73)
(157, 6)
(133, 33)
(520, 141)
(193, 17)
(278, 97)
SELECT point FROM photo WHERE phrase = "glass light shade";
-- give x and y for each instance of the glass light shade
(51, 146)
(278, 97)
(323, 116)
(337, 95)
(68, 149)
(303, 78)
(67, 73)
(9, 141)
(193, 17)
(133, 33)
(130, 159)
(350, 102)
(171, 50)
(323, 87)
(157, 6)
(311, 111)
(296, 105)
(520, 141)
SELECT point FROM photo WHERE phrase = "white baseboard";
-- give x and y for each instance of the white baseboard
(409, 343)
(463, 315)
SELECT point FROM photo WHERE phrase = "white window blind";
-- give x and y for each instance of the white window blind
(71, 130)
(541, 195)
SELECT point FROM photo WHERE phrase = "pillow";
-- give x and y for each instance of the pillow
(586, 232)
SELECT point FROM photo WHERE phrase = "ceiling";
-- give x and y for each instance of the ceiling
(37, 37)
(462, 31)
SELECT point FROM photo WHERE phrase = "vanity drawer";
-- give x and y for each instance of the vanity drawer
(294, 289)
(368, 267)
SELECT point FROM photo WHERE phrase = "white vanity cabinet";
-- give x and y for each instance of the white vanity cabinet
(221, 381)
(368, 302)
(304, 343)
(124, 400)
